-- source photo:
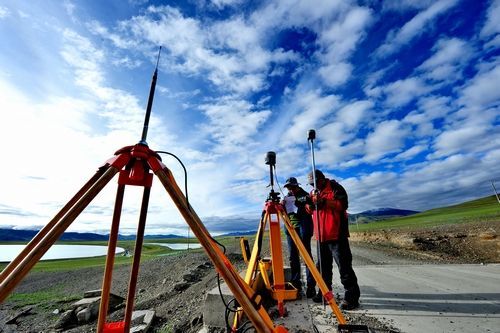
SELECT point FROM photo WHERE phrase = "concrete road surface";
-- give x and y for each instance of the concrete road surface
(432, 298)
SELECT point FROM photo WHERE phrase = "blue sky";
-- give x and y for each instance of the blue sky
(404, 97)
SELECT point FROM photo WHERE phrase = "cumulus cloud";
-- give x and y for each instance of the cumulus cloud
(335, 74)
(402, 92)
(339, 41)
(313, 107)
(232, 123)
(387, 137)
(417, 26)
(448, 60)
(492, 25)
(354, 113)
(482, 90)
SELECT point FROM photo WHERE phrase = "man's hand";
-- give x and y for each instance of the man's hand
(317, 202)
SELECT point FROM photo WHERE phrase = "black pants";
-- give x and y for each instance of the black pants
(339, 251)
(305, 232)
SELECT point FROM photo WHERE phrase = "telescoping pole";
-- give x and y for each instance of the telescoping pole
(311, 136)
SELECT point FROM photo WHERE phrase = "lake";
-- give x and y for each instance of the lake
(9, 252)
(179, 246)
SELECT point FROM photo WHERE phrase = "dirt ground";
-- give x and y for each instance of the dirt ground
(178, 304)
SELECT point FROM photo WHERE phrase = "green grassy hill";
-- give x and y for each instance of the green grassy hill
(480, 210)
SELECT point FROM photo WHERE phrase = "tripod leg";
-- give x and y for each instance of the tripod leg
(328, 295)
(241, 291)
(41, 234)
(257, 246)
(20, 271)
(252, 264)
(137, 259)
(110, 259)
(277, 260)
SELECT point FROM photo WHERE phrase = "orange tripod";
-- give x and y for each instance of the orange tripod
(133, 163)
(274, 213)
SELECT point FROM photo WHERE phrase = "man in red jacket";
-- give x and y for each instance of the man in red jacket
(332, 231)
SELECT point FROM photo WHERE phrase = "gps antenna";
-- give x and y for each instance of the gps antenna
(150, 102)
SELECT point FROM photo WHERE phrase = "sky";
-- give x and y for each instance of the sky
(403, 95)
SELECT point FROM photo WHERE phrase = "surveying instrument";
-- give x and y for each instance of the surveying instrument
(259, 269)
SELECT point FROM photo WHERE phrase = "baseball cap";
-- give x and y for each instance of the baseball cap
(292, 181)
(319, 175)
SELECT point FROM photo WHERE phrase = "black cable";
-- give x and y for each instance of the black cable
(277, 183)
(185, 174)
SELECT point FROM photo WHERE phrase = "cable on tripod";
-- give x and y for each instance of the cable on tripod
(228, 309)
(277, 182)
(185, 174)
(227, 306)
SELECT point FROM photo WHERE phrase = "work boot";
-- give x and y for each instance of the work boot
(318, 298)
(310, 292)
(345, 305)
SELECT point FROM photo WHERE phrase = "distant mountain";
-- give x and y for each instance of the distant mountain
(379, 214)
(240, 233)
(16, 235)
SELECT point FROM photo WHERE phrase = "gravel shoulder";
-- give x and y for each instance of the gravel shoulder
(180, 309)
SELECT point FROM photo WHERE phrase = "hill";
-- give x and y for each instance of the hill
(379, 214)
(478, 210)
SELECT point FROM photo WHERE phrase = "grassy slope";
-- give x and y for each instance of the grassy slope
(480, 210)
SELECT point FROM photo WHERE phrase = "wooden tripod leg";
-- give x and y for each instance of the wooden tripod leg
(20, 271)
(39, 236)
(110, 259)
(312, 267)
(137, 259)
(241, 291)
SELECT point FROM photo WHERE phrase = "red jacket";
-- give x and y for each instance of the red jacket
(332, 217)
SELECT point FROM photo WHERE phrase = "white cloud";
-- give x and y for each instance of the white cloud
(410, 153)
(402, 92)
(4, 12)
(335, 74)
(232, 123)
(448, 60)
(313, 108)
(482, 90)
(388, 137)
(418, 25)
(430, 108)
(466, 138)
(492, 25)
(341, 37)
(339, 41)
(224, 3)
(354, 113)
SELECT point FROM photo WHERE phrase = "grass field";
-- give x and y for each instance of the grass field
(481, 210)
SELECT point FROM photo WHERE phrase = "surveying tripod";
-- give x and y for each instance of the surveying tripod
(273, 213)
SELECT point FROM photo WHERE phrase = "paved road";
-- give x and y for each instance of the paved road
(433, 298)
(426, 298)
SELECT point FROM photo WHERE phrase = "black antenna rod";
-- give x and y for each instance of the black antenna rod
(150, 102)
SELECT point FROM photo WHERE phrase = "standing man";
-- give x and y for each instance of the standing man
(295, 202)
(332, 231)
